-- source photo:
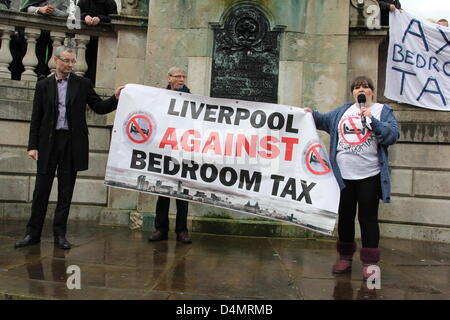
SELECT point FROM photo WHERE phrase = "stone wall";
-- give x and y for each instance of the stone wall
(420, 207)
(320, 53)
(185, 30)
(181, 33)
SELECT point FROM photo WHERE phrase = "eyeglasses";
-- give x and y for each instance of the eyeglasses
(67, 60)
(179, 76)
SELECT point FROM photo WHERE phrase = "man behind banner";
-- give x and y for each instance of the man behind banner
(443, 22)
(176, 80)
(59, 141)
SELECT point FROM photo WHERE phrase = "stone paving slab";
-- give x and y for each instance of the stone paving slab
(120, 264)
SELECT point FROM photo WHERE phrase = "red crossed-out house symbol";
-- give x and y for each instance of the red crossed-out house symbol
(139, 128)
(350, 132)
(315, 162)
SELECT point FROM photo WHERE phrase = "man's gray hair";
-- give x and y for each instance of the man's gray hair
(175, 69)
(59, 51)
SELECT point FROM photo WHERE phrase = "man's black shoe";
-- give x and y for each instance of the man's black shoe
(27, 241)
(62, 243)
(184, 237)
(158, 236)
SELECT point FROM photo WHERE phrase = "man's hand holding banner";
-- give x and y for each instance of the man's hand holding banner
(259, 158)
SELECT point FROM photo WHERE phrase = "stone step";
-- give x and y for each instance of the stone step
(214, 225)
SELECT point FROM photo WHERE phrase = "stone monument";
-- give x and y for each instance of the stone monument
(245, 57)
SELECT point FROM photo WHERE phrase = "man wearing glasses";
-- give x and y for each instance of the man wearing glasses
(58, 140)
(177, 77)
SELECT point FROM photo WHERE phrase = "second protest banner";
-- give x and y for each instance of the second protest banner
(418, 63)
(258, 158)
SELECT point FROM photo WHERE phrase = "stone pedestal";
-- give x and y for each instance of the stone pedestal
(363, 57)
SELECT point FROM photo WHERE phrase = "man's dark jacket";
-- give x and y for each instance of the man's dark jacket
(385, 7)
(183, 89)
(45, 111)
(97, 8)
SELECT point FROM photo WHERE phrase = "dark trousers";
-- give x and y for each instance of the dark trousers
(366, 194)
(61, 160)
(162, 215)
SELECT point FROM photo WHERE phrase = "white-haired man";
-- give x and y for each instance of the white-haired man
(176, 79)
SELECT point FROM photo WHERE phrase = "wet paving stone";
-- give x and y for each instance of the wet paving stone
(120, 264)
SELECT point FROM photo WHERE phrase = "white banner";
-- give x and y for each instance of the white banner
(418, 63)
(258, 158)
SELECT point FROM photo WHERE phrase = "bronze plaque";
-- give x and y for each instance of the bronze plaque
(245, 58)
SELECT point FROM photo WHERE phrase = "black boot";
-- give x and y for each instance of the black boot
(28, 240)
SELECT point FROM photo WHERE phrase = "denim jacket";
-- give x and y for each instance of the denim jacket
(386, 131)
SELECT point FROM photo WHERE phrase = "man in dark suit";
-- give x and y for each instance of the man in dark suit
(59, 141)
(176, 80)
(387, 6)
(95, 11)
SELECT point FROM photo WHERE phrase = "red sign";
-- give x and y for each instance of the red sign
(315, 161)
(139, 129)
(350, 132)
